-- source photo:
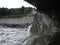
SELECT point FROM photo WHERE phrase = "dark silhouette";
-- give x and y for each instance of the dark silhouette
(55, 40)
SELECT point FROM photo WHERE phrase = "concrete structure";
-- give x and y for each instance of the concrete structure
(23, 20)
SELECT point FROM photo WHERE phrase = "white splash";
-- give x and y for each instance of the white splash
(13, 36)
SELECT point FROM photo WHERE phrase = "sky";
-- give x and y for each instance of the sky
(14, 4)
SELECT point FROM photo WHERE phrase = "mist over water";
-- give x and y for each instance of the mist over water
(42, 25)
(42, 29)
